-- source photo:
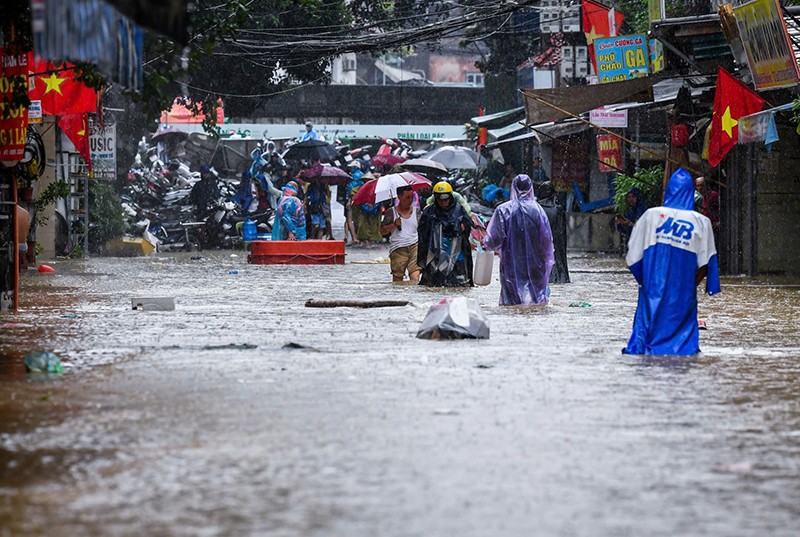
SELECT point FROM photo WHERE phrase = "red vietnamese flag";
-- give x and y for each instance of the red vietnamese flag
(76, 127)
(58, 90)
(597, 23)
(732, 100)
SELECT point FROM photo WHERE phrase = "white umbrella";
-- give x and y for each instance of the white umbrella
(455, 157)
(424, 165)
(385, 187)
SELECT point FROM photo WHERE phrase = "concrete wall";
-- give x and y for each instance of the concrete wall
(402, 105)
(592, 232)
(778, 205)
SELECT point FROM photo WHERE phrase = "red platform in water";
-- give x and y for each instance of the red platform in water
(296, 253)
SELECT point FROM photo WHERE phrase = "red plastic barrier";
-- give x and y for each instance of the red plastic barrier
(296, 253)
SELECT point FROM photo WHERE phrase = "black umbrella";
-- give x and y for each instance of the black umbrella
(312, 150)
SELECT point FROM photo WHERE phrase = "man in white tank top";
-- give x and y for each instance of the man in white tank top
(400, 222)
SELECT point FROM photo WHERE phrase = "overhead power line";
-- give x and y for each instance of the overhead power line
(277, 45)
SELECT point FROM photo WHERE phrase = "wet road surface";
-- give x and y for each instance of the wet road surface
(158, 428)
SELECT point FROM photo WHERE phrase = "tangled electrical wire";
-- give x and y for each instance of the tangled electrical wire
(277, 44)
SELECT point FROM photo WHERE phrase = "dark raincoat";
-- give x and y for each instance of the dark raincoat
(520, 231)
(668, 245)
(546, 196)
(204, 197)
(444, 253)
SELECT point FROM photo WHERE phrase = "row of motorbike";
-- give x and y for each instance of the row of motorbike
(158, 200)
(156, 197)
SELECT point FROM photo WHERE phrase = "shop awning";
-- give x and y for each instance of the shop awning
(545, 132)
(579, 99)
(398, 75)
(509, 130)
(499, 119)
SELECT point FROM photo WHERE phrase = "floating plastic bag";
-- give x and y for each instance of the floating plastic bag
(43, 362)
(455, 318)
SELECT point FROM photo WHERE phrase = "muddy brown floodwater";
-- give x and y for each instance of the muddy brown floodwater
(203, 422)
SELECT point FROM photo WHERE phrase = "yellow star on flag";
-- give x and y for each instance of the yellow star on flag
(591, 36)
(728, 123)
(53, 83)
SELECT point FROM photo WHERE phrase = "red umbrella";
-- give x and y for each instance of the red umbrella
(322, 173)
(385, 187)
(387, 160)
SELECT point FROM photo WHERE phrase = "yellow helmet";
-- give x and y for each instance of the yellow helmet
(442, 187)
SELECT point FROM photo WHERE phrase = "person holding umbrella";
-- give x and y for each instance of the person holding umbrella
(400, 223)
(443, 252)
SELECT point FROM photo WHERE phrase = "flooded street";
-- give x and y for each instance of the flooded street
(207, 421)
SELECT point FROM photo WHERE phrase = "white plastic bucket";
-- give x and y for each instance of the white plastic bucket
(484, 260)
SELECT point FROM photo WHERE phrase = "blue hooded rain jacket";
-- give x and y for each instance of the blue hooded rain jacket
(668, 245)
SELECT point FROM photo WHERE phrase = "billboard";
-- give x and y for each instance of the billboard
(621, 58)
(766, 43)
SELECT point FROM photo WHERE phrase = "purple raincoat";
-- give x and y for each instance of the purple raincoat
(520, 231)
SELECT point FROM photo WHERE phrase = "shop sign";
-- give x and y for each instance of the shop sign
(609, 152)
(766, 42)
(609, 119)
(13, 121)
(103, 148)
(621, 58)
(35, 112)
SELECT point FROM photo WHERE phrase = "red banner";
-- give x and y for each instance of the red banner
(14, 121)
(609, 152)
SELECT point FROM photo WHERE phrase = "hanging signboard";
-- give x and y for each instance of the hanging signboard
(103, 148)
(13, 122)
(766, 42)
(609, 152)
(621, 58)
(35, 112)
(610, 119)
(656, 56)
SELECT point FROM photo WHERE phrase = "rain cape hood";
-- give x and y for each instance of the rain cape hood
(520, 231)
(668, 245)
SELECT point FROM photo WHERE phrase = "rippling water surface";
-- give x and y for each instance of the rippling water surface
(164, 424)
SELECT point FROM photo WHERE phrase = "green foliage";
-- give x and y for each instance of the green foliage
(636, 16)
(796, 114)
(76, 252)
(53, 192)
(106, 216)
(647, 180)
